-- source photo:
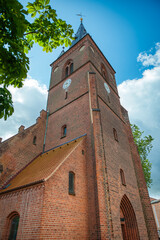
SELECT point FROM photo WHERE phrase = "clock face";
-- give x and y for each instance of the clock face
(66, 84)
(107, 87)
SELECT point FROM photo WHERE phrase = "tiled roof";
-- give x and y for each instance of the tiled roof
(43, 167)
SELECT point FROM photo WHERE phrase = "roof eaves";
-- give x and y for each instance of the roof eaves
(23, 186)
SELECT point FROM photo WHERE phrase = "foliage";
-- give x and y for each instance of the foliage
(17, 36)
(144, 145)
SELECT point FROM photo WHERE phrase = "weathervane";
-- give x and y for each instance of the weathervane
(80, 14)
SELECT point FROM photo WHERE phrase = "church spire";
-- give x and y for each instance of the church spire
(62, 52)
(79, 34)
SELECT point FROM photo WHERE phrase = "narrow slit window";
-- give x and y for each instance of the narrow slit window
(71, 68)
(66, 73)
(71, 183)
(115, 134)
(64, 131)
(123, 181)
(66, 95)
(34, 140)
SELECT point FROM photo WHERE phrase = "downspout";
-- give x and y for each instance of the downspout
(45, 131)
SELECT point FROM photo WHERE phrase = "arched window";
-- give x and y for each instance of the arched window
(68, 68)
(71, 183)
(64, 131)
(13, 221)
(123, 181)
(103, 71)
(115, 134)
(34, 140)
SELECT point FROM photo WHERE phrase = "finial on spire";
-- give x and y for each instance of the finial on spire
(80, 14)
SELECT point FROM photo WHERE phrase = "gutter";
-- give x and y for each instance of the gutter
(23, 186)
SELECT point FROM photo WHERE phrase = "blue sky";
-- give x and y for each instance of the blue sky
(128, 34)
(121, 29)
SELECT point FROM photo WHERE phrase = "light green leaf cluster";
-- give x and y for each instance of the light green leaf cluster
(144, 146)
(47, 30)
(17, 37)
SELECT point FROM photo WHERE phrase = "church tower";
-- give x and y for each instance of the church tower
(83, 101)
(76, 173)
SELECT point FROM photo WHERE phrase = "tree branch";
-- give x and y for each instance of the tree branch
(29, 33)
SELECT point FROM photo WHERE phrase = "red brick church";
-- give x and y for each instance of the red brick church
(76, 173)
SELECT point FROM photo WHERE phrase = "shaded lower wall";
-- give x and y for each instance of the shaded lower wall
(28, 204)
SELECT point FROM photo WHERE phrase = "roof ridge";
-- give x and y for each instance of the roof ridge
(62, 162)
(65, 143)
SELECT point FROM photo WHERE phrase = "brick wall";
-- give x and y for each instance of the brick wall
(118, 156)
(75, 113)
(28, 204)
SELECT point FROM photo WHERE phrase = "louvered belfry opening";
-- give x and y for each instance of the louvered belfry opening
(128, 220)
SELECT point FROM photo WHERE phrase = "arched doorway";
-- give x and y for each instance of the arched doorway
(128, 220)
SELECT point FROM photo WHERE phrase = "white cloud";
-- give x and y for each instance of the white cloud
(141, 97)
(28, 102)
(150, 59)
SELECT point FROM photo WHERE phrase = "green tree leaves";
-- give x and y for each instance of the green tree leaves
(17, 37)
(144, 145)
(6, 104)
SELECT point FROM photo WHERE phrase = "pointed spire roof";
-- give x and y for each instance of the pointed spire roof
(80, 34)
(62, 52)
